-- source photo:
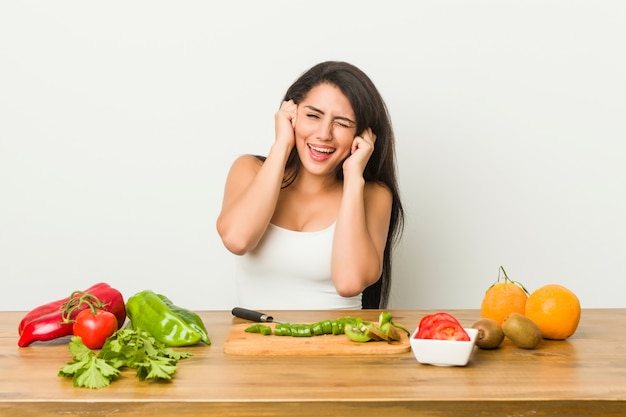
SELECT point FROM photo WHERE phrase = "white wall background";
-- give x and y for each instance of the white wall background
(119, 121)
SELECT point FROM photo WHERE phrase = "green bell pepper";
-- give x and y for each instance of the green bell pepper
(168, 324)
(192, 318)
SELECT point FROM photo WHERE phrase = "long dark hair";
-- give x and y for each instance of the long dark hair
(370, 111)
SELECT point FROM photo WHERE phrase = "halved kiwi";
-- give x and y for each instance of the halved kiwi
(357, 332)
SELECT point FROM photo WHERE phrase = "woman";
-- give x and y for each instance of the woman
(315, 220)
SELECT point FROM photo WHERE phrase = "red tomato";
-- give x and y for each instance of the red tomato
(428, 322)
(94, 329)
(449, 330)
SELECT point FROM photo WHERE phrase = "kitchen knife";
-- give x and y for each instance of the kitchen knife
(244, 313)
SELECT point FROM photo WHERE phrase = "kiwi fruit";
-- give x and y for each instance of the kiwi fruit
(357, 332)
(522, 331)
(490, 334)
(376, 334)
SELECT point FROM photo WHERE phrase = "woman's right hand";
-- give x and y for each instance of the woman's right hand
(285, 123)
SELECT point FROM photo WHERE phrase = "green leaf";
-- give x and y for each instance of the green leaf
(97, 374)
(73, 367)
(171, 353)
(78, 349)
(132, 348)
(156, 368)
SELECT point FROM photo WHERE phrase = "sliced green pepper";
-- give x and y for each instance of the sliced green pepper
(385, 318)
(282, 329)
(147, 311)
(259, 328)
(355, 328)
(301, 330)
(317, 329)
(327, 327)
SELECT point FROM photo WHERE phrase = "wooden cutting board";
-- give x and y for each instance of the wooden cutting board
(240, 342)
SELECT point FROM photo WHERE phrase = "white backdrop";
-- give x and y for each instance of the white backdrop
(119, 121)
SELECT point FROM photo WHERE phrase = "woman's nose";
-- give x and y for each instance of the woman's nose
(324, 131)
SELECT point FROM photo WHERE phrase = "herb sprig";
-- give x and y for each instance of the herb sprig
(131, 348)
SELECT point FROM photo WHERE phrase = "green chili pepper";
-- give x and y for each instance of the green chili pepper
(385, 318)
(259, 328)
(253, 328)
(282, 329)
(147, 311)
(331, 327)
(301, 330)
(317, 329)
(190, 317)
(327, 326)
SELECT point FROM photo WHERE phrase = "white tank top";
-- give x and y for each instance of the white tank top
(290, 270)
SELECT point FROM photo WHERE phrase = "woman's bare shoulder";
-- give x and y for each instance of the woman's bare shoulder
(246, 162)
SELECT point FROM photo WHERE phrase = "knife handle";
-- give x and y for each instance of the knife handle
(244, 313)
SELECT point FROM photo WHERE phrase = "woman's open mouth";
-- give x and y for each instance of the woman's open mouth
(320, 153)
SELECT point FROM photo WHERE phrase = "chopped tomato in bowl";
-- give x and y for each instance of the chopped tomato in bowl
(441, 340)
(441, 326)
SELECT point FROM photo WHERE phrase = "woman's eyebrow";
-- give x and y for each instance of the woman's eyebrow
(315, 109)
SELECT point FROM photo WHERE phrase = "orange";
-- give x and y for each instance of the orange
(502, 299)
(555, 310)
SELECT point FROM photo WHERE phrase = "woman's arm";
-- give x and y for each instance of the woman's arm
(252, 189)
(360, 237)
(362, 224)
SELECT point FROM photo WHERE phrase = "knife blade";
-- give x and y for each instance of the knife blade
(244, 313)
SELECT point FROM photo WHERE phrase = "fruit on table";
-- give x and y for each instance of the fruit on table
(490, 334)
(522, 331)
(503, 298)
(441, 326)
(556, 311)
(357, 332)
(94, 326)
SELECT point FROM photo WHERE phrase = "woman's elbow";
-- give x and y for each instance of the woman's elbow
(233, 241)
(234, 248)
(349, 289)
(350, 286)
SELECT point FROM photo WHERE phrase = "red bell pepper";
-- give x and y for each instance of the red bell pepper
(49, 321)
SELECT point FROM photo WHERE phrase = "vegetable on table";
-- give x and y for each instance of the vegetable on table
(259, 328)
(169, 324)
(330, 327)
(441, 326)
(192, 318)
(387, 329)
(354, 328)
(94, 326)
(56, 319)
(125, 348)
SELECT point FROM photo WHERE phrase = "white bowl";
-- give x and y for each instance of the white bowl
(443, 352)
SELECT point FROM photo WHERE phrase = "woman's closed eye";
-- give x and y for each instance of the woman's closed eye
(342, 122)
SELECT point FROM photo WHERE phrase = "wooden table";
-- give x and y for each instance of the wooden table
(582, 376)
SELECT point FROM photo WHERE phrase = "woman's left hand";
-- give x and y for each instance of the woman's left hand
(362, 149)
